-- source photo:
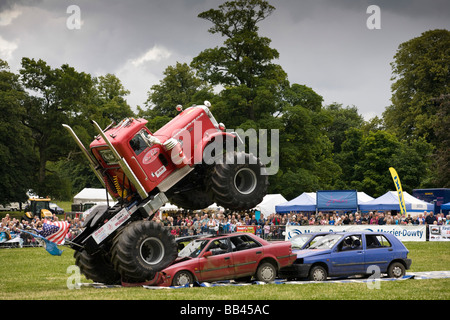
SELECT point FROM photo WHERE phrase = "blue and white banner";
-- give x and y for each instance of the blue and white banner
(403, 233)
(337, 200)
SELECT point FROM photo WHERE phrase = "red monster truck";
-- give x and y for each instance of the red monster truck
(191, 161)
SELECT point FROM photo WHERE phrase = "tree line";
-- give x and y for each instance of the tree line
(321, 147)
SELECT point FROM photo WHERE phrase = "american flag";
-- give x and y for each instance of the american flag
(54, 231)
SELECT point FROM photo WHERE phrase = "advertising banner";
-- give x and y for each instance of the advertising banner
(337, 200)
(403, 233)
(439, 233)
(249, 229)
(398, 186)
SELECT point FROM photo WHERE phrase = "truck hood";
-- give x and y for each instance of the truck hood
(311, 252)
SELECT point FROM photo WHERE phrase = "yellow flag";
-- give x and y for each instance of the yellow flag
(398, 185)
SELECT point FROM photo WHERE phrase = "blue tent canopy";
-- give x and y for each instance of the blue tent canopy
(304, 202)
(446, 206)
(389, 201)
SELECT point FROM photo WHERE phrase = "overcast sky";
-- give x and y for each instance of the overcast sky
(324, 44)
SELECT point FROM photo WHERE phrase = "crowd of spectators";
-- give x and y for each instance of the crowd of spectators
(10, 228)
(186, 223)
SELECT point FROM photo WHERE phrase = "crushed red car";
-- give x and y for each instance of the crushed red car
(239, 256)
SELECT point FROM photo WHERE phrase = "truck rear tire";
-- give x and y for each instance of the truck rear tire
(141, 250)
(237, 186)
(97, 267)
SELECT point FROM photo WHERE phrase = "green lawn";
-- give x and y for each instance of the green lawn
(33, 274)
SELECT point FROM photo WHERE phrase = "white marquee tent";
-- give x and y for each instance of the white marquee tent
(91, 195)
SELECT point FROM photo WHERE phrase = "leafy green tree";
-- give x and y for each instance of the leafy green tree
(58, 96)
(342, 120)
(441, 156)
(366, 157)
(16, 152)
(111, 100)
(180, 86)
(306, 160)
(420, 74)
(243, 65)
(348, 157)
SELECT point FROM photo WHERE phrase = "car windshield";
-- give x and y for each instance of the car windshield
(326, 242)
(193, 249)
(299, 240)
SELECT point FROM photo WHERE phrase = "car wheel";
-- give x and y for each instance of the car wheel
(266, 272)
(396, 270)
(318, 273)
(183, 278)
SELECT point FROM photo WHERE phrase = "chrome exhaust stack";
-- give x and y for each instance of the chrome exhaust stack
(92, 161)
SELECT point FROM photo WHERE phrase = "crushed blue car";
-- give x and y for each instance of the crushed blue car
(346, 254)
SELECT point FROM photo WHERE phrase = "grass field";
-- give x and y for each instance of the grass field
(33, 274)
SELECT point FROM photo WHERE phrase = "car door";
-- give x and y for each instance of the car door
(216, 262)
(347, 257)
(247, 253)
(379, 253)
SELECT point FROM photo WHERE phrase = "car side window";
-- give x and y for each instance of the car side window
(352, 242)
(377, 241)
(243, 243)
(219, 246)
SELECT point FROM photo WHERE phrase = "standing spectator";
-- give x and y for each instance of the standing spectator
(323, 220)
(430, 218)
(276, 220)
(304, 221)
(212, 224)
(373, 218)
(381, 220)
(259, 231)
(346, 220)
(266, 230)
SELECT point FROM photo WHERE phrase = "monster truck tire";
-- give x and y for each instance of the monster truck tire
(238, 186)
(97, 267)
(142, 249)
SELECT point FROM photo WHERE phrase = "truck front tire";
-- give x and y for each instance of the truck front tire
(97, 267)
(141, 250)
